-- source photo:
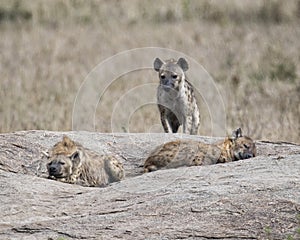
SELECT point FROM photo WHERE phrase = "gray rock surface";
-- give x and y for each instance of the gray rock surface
(257, 198)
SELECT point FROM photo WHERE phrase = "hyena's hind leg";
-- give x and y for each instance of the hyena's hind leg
(195, 122)
(190, 126)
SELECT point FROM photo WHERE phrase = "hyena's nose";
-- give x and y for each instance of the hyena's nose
(168, 83)
(52, 169)
(171, 84)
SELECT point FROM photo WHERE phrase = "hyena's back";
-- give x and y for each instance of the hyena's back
(192, 153)
(182, 153)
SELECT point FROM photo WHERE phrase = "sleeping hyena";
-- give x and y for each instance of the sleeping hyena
(175, 97)
(193, 153)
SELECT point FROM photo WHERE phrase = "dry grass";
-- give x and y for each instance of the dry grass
(251, 48)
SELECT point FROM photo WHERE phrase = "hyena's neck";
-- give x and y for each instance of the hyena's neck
(226, 152)
(182, 86)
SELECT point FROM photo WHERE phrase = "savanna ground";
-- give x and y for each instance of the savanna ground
(250, 48)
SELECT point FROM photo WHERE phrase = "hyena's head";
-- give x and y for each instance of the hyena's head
(63, 166)
(243, 147)
(66, 146)
(65, 158)
(171, 72)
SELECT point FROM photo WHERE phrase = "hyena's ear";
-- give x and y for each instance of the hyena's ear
(237, 133)
(76, 158)
(183, 64)
(67, 142)
(157, 64)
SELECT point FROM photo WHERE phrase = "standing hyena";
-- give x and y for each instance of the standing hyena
(175, 97)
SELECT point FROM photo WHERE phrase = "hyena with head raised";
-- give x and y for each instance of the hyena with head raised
(175, 97)
(193, 153)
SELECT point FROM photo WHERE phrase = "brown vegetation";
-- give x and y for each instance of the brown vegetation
(251, 48)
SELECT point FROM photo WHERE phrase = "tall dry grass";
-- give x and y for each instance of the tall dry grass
(251, 48)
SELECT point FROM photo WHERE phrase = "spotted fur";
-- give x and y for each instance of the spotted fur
(70, 162)
(175, 97)
(192, 153)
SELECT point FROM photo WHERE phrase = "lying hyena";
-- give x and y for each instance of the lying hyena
(192, 153)
(70, 162)
(175, 97)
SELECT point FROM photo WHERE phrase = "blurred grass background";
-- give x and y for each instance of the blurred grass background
(251, 48)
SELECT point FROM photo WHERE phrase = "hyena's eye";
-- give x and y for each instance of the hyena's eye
(162, 76)
(62, 163)
(174, 76)
(246, 146)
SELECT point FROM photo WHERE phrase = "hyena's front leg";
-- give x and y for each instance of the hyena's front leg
(163, 119)
(173, 122)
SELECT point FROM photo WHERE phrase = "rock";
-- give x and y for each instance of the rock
(257, 198)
